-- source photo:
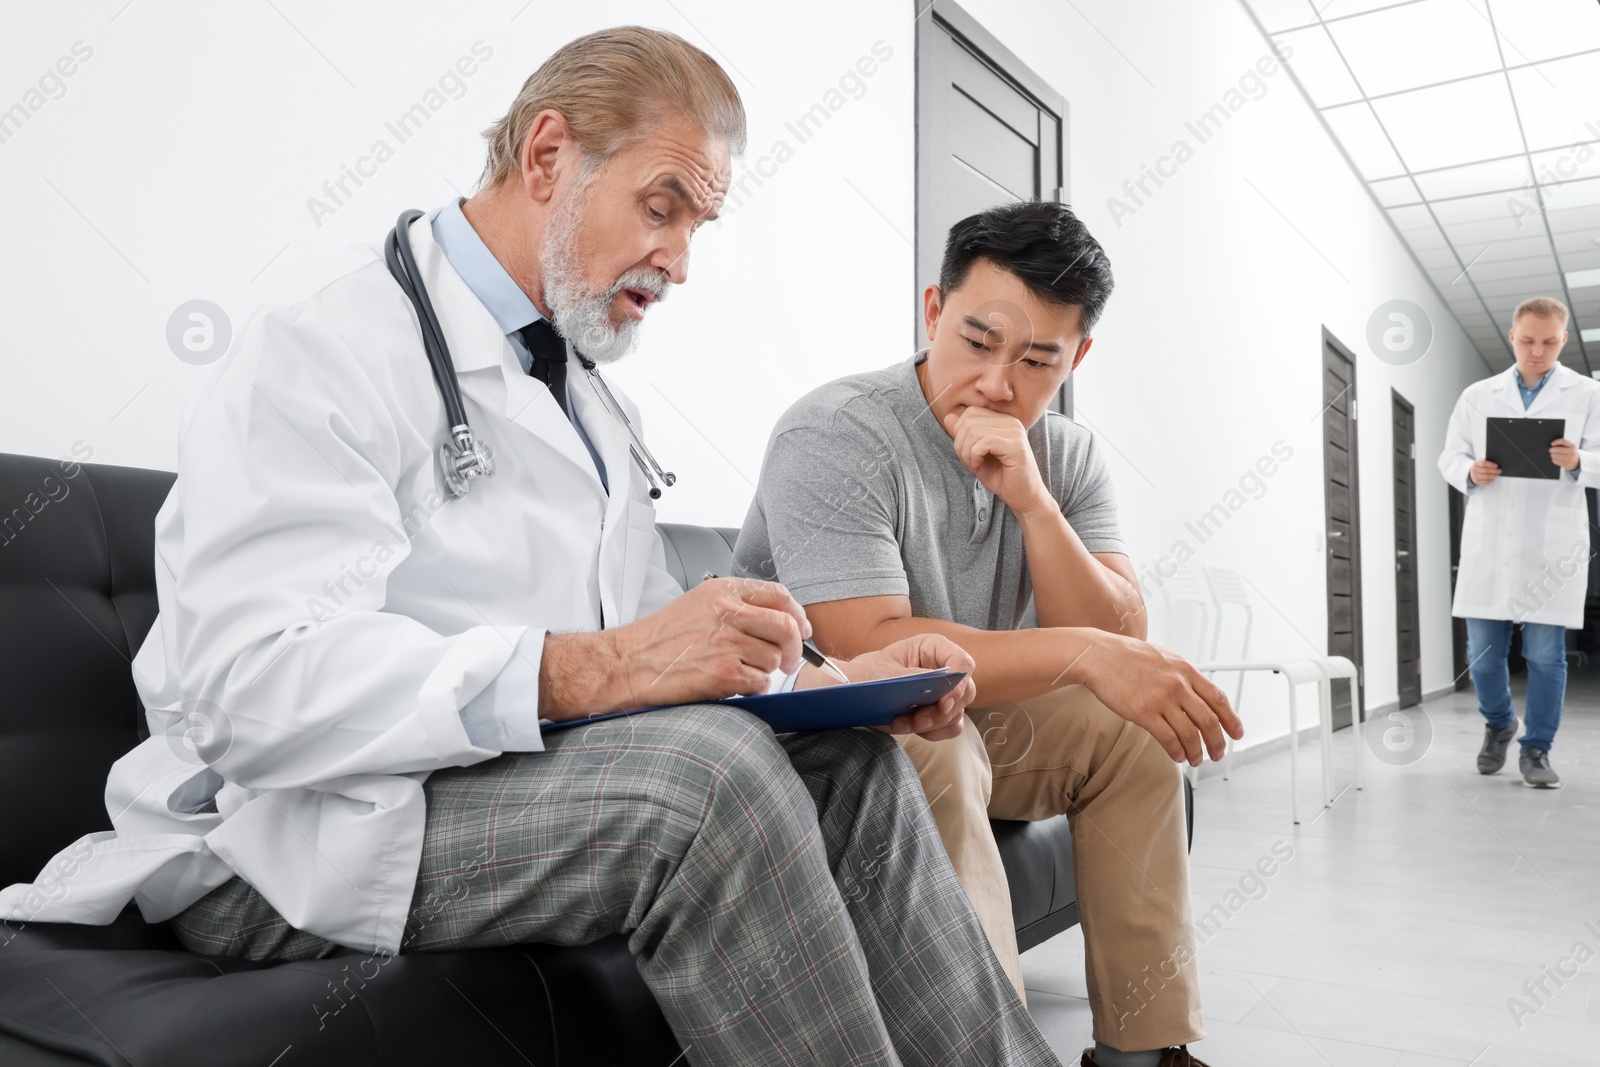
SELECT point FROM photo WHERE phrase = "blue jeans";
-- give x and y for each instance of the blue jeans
(1544, 647)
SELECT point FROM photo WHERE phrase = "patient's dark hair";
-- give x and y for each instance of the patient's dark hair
(1044, 244)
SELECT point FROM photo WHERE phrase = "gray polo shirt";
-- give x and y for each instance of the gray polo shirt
(862, 494)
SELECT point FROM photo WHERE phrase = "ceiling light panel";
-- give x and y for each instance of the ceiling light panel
(1316, 63)
(1417, 44)
(1278, 15)
(1563, 215)
(1559, 101)
(1528, 246)
(1449, 125)
(1572, 163)
(1520, 289)
(1489, 207)
(1338, 10)
(1532, 30)
(1487, 177)
(1494, 230)
(1581, 260)
(1532, 267)
(1576, 241)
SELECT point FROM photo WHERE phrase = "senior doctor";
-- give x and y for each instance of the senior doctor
(1525, 541)
(345, 678)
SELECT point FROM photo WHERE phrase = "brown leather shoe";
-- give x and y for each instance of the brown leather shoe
(1172, 1057)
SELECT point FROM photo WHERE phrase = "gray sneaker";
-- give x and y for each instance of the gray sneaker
(1492, 756)
(1536, 769)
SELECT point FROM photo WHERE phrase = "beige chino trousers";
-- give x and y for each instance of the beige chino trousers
(1066, 753)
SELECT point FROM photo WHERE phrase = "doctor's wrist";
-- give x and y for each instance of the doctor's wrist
(579, 675)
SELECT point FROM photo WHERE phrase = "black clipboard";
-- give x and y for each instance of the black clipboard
(1522, 446)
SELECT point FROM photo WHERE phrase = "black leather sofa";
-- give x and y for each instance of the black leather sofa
(77, 596)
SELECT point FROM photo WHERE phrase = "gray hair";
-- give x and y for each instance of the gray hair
(614, 87)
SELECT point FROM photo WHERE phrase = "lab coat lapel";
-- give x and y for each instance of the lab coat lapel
(479, 350)
(1551, 395)
(611, 440)
(1507, 399)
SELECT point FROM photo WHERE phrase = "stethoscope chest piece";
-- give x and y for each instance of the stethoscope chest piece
(463, 458)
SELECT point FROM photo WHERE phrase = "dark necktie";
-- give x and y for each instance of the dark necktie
(549, 353)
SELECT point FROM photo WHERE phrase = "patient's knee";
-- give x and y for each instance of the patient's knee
(1148, 759)
(958, 765)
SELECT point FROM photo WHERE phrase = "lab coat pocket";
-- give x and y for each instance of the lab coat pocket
(1566, 536)
(641, 545)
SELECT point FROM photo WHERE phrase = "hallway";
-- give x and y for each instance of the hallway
(1409, 916)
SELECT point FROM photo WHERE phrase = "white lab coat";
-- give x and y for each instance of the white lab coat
(329, 610)
(1525, 541)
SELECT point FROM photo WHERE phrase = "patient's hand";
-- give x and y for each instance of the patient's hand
(995, 447)
(1163, 693)
(924, 652)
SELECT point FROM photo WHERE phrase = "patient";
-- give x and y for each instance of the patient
(939, 494)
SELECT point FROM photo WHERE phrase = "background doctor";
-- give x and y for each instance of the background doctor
(1525, 541)
(360, 663)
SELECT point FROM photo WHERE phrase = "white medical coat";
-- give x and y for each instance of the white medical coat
(1525, 541)
(325, 610)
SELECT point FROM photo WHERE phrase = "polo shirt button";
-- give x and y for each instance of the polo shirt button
(983, 514)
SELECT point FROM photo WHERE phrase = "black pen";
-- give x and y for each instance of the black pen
(814, 656)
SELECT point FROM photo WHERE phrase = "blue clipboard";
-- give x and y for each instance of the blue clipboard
(830, 707)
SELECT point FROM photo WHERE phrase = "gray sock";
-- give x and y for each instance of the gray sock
(1107, 1056)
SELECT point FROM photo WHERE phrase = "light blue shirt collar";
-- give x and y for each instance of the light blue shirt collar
(1530, 391)
(511, 307)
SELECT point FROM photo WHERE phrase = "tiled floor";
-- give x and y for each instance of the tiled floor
(1410, 914)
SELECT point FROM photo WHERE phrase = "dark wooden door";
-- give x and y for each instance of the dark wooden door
(1406, 615)
(1342, 498)
(1458, 627)
(989, 131)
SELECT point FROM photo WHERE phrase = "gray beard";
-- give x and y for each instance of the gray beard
(580, 314)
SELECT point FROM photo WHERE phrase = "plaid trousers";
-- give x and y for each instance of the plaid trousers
(788, 898)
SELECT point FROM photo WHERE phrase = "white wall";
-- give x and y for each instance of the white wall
(179, 161)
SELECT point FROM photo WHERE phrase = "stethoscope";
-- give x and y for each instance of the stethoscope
(463, 457)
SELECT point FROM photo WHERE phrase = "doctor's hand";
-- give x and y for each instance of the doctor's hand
(1564, 454)
(1483, 472)
(723, 638)
(1185, 711)
(994, 446)
(924, 652)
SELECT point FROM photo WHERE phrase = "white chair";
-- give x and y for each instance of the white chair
(1228, 589)
(1186, 594)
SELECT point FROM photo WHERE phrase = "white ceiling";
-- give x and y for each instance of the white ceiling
(1476, 123)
